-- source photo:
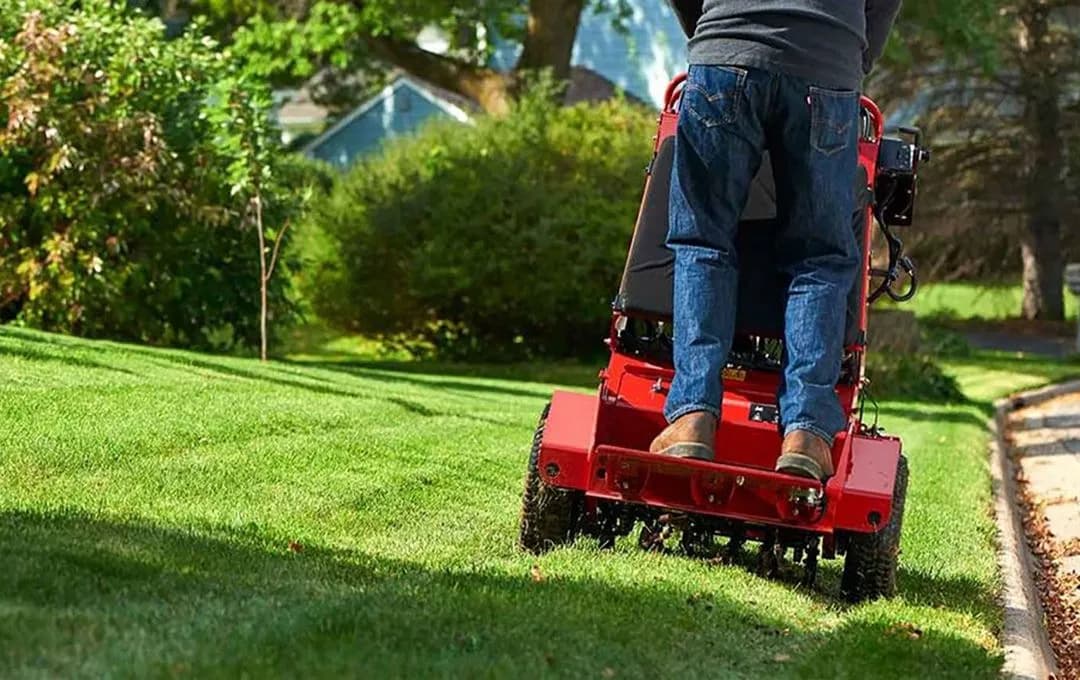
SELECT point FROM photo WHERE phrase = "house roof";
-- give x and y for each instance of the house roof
(587, 85)
(457, 107)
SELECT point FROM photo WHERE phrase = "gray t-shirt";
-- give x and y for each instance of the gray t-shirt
(831, 43)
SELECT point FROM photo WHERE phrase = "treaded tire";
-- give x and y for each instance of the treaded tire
(871, 561)
(549, 515)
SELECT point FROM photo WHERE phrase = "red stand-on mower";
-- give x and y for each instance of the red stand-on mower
(590, 472)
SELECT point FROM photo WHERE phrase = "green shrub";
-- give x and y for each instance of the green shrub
(941, 341)
(915, 377)
(116, 212)
(500, 239)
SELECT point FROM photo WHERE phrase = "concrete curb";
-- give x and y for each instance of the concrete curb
(1039, 396)
(1028, 655)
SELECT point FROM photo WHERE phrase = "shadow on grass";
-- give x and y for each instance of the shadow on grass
(39, 347)
(1052, 369)
(25, 350)
(429, 375)
(44, 347)
(914, 587)
(937, 415)
(262, 375)
(312, 384)
(87, 595)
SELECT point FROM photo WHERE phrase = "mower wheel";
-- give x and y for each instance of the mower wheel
(549, 515)
(871, 561)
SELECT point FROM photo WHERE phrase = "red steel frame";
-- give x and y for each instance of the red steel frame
(598, 444)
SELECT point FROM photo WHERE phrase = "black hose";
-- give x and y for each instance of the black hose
(897, 262)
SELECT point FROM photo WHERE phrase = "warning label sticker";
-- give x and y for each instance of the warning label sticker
(764, 413)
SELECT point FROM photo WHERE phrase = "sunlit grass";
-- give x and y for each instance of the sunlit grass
(976, 301)
(168, 513)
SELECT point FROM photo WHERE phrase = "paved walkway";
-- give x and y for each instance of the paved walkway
(1050, 346)
(1046, 440)
(1046, 445)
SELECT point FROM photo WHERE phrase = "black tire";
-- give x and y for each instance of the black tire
(549, 515)
(871, 562)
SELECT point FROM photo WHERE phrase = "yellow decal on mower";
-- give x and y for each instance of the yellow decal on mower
(736, 374)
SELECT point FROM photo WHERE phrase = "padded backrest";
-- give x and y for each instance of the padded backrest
(646, 288)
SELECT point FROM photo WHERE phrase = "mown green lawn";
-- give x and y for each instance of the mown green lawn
(964, 301)
(149, 499)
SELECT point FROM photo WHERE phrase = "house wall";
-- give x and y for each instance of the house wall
(641, 61)
(390, 117)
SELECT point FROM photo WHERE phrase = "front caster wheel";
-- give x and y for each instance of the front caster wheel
(550, 516)
(872, 559)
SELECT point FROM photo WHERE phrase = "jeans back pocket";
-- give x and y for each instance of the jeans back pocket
(833, 114)
(714, 94)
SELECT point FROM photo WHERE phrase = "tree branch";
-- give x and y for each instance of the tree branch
(277, 249)
(486, 86)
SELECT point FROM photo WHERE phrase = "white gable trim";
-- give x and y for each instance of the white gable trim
(385, 94)
(454, 111)
(451, 109)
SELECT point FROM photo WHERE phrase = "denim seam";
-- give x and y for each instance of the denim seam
(811, 428)
(817, 123)
(692, 408)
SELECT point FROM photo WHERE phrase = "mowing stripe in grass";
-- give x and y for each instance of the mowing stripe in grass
(150, 499)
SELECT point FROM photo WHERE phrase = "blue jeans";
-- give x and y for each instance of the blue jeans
(729, 116)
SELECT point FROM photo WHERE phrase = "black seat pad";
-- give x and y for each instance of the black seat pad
(647, 282)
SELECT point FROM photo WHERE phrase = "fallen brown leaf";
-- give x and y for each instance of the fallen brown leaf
(1055, 587)
(537, 575)
(295, 547)
(1069, 548)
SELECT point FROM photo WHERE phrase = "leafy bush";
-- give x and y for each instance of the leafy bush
(940, 341)
(501, 239)
(915, 377)
(116, 214)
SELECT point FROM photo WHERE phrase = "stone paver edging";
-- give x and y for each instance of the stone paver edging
(1027, 647)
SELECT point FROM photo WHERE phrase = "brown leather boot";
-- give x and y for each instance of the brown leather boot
(690, 436)
(805, 454)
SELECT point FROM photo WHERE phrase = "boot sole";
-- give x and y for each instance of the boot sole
(694, 451)
(801, 465)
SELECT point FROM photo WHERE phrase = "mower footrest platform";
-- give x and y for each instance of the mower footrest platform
(858, 499)
(735, 492)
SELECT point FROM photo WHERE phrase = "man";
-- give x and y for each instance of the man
(781, 76)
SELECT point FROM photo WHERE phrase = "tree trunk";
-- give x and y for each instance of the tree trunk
(550, 35)
(1043, 296)
(1041, 243)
